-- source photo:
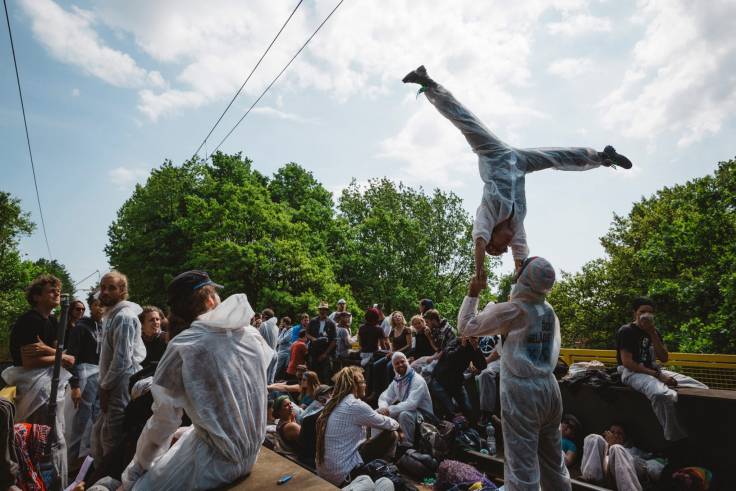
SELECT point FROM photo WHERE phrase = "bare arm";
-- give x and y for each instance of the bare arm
(281, 387)
(480, 257)
(627, 360)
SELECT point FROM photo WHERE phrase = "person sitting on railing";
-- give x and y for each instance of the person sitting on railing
(610, 457)
(638, 347)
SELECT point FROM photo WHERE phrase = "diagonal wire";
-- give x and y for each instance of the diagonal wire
(28, 138)
(275, 79)
(246, 80)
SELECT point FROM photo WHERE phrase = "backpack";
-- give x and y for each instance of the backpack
(376, 469)
(435, 440)
(417, 465)
(467, 440)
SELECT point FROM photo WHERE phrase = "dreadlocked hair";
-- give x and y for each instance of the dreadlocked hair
(345, 385)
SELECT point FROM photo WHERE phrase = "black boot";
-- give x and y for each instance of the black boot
(613, 159)
(419, 76)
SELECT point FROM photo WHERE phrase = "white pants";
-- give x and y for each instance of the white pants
(531, 410)
(662, 397)
(600, 460)
(109, 429)
(84, 416)
(408, 423)
(365, 483)
(487, 388)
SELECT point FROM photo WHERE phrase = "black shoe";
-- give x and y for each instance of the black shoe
(419, 76)
(613, 159)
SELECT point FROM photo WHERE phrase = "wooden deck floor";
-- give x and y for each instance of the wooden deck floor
(270, 467)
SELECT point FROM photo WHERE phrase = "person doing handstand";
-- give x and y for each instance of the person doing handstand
(499, 220)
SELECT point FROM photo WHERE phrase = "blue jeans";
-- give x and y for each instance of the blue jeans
(445, 396)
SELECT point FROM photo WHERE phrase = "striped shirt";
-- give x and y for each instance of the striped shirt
(345, 432)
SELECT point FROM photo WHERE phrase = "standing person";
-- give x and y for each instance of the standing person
(297, 357)
(32, 349)
(405, 398)
(76, 312)
(121, 354)
(530, 396)
(153, 337)
(215, 371)
(341, 429)
(302, 326)
(344, 339)
(370, 338)
(499, 220)
(322, 334)
(340, 308)
(269, 329)
(84, 344)
(283, 348)
(638, 347)
(487, 379)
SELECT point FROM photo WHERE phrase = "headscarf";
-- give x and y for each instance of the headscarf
(535, 280)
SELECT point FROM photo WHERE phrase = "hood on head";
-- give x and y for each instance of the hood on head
(234, 312)
(535, 281)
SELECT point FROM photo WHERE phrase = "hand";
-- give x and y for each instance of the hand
(477, 284)
(67, 361)
(104, 399)
(76, 396)
(612, 439)
(669, 381)
(382, 410)
(647, 324)
(389, 354)
(39, 348)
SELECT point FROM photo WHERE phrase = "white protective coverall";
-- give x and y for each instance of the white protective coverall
(33, 391)
(81, 419)
(216, 372)
(503, 169)
(531, 405)
(121, 354)
(628, 467)
(269, 329)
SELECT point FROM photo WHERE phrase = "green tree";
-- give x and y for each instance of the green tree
(677, 247)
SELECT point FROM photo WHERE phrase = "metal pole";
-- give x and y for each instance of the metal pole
(60, 338)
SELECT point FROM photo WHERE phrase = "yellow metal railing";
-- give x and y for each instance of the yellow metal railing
(716, 371)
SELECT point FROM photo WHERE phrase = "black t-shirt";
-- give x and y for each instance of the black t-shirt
(369, 336)
(25, 330)
(422, 346)
(637, 342)
(155, 349)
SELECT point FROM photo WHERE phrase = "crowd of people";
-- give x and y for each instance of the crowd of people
(184, 397)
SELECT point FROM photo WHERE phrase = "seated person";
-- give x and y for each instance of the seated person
(228, 419)
(609, 457)
(32, 350)
(297, 357)
(442, 335)
(153, 337)
(306, 389)
(405, 397)
(399, 340)
(342, 447)
(448, 380)
(638, 347)
(287, 429)
(569, 431)
(488, 378)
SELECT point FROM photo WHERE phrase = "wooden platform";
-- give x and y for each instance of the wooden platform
(270, 467)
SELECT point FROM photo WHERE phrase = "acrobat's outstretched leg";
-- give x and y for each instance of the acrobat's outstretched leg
(569, 159)
(480, 138)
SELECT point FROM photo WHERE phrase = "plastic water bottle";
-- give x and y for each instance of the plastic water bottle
(491, 439)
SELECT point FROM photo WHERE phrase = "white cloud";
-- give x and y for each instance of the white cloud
(680, 80)
(75, 92)
(69, 36)
(577, 24)
(277, 113)
(569, 68)
(127, 177)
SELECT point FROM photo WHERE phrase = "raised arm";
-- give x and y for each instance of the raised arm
(493, 319)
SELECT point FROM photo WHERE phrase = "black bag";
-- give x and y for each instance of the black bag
(376, 469)
(436, 441)
(467, 440)
(417, 465)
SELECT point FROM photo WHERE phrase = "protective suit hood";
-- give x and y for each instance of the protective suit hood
(233, 313)
(135, 309)
(534, 282)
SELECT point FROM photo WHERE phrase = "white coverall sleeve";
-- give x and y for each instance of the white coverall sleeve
(519, 247)
(493, 319)
(387, 396)
(483, 224)
(366, 416)
(123, 333)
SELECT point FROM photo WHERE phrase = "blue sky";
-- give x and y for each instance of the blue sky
(114, 88)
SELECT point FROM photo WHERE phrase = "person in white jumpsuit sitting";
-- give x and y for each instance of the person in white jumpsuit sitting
(215, 370)
(499, 220)
(531, 405)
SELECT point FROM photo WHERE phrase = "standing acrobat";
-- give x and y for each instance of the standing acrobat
(499, 220)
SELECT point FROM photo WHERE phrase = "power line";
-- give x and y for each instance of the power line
(275, 79)
(246, 79)
(28, 138)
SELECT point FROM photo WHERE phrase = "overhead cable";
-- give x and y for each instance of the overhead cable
(246, 80)
(276, 78)
(28, 138)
